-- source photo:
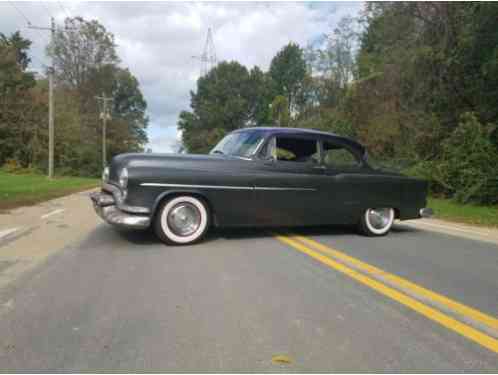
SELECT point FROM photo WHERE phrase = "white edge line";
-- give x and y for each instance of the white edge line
(53, 213)
(450, 228)
(6, 232)
(222, 187)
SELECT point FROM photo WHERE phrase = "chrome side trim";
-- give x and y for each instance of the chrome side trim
(224, 187)
(197, 186)
(283, 188)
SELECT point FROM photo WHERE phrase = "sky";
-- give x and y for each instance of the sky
(156, 41)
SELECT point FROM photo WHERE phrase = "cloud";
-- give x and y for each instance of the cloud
(157, 40)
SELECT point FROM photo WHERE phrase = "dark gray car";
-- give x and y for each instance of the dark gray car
(258, 177)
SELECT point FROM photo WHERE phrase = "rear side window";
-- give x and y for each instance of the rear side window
(293, 149)
(336, 155)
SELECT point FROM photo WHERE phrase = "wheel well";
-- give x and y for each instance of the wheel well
(201, 197)
(397, 213)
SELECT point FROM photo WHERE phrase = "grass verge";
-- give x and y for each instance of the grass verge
(464, 213)
(27, 189)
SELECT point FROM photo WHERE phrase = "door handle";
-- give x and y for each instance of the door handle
(320, 167)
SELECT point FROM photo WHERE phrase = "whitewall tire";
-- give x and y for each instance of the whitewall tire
(376, 221)
(182, 220)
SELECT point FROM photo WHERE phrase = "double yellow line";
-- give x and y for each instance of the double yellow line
(402, 291)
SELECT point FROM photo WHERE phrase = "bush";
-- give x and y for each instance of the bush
(329, 121)
(468, 166)
(15, 167)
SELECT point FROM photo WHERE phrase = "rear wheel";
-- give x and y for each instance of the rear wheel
(376, 221)
(182, 220)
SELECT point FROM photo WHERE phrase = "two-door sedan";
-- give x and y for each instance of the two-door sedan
(258, 176)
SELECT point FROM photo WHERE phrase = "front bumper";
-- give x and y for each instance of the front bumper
(105, 206)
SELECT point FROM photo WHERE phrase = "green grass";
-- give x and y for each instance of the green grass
(27, 189)
(464, 213)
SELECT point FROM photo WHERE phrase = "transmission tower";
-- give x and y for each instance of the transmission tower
(208, 56)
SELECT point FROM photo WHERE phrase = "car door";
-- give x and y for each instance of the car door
(344, 182)
(288, 181)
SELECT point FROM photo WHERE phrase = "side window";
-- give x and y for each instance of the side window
(336, 155)
(294, 149)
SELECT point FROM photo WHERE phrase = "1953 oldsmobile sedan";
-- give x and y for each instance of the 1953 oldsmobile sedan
(257, 177)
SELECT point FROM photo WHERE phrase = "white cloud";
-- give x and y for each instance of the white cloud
(157, 40)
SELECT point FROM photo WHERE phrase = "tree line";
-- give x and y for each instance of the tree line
(85, 65)
(416, 83)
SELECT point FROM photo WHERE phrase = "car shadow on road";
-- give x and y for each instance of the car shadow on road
(147, 237)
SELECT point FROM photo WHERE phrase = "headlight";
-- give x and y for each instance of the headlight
(123, 178)
(105, 174)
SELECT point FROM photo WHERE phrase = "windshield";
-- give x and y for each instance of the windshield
(242, 144)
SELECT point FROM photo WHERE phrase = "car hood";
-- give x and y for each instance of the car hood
(172, 161)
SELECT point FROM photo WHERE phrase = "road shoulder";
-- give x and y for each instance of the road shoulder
(473, 232)
(29, 235)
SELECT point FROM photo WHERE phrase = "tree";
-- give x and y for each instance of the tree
(227, 98)
(127, 130)
(15, 98)
(288, 71)
(337, 60)
(260, 96)
(222, 97)
(86, 65)
(79, 49)
(280, 111)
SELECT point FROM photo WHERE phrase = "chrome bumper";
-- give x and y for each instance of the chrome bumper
(426, 212)
(105, 206)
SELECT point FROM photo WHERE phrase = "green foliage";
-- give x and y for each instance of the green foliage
(288, 70)
(280, 111)
(468, 166)
(423, 67)
(20, 105)
(329, 120)
(222, 97)
(86, 65)
(80, 50)
(227, 98)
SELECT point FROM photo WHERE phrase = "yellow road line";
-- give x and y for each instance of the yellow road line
(455, 306)
(429, 312)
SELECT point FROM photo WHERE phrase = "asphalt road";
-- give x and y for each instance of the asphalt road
(123, 301)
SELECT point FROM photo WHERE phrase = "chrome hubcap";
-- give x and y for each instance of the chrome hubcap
(379, 218)
(184, 219)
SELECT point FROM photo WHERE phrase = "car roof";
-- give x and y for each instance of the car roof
(269, 130)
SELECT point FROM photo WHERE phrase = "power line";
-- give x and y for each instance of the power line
(46, 9)
(23, 15)
(20, 12)
(64, 9)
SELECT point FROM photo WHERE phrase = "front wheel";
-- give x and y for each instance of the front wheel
(376, 221)
(182, 220)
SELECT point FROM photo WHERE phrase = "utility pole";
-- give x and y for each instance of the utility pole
(50, 99)
(104, 115)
